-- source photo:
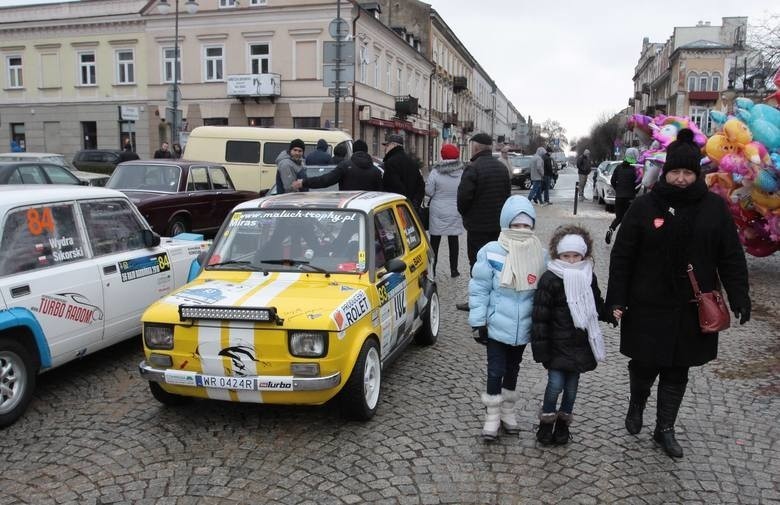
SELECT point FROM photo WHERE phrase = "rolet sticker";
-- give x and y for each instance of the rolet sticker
(658, 222)
(531, 278)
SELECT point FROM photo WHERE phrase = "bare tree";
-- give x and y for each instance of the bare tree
(764, 38)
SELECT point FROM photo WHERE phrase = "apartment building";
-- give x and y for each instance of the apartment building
(686, 75)
(90, 74)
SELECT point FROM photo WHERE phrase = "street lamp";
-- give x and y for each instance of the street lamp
(164, 8)
(728, 95)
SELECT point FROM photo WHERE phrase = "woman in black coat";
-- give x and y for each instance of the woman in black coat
(678, 223)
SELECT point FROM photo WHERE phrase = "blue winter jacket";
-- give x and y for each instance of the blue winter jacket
(505, 312)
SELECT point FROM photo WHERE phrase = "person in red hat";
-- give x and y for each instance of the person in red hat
(444, 218)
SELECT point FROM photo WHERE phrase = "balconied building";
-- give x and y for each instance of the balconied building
(685, 76)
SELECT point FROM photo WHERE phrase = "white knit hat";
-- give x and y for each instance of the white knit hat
(523, 218)
(572, 243)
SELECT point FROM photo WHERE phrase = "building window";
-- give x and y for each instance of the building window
(127, 131)
(306, 122)
(364, 58)
(87, 72)
(89, 134)
(377, 74)
(700, 116)
(715, 82)
(262, 122)
(225, 4)
(692, 78)
(704, 81)
(399, 81)
(259, 58)
(389, 77)
(258, 2)
(15, 79)
(214, 63)
(169, 60)
(18, 138)
(125, 66)
(215, 121)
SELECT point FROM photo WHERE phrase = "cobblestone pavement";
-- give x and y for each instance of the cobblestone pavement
(94, 434)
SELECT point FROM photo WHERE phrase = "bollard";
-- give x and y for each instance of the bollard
(576, 195)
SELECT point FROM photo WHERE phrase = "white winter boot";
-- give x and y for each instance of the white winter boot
(492, 416)
(508, 419)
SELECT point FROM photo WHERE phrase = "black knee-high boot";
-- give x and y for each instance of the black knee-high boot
(640, 382)
(670, 397)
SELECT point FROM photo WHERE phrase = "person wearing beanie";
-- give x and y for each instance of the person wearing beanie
(289, 166)
(501, 293)
(483, 189)
(678, 227)
(358, 173)
(625, 182)
(320, 155)
(443, 217)
(402, 174)
(583, 171)
(565, 336)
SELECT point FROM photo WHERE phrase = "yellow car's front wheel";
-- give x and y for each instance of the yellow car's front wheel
(360, 395)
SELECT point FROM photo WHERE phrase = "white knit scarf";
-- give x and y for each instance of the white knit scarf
(577, 278)
(524, 260)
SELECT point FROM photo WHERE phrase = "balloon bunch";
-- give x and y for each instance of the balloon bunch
(659, 132)
(746, 152)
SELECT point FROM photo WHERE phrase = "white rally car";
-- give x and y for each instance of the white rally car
(78, 266)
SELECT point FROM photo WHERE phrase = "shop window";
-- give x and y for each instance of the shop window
(18, 138)
(89, 134)
(215, 121)
(306, 122)
(264, 122)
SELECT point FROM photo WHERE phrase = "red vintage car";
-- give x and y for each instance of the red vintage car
(178, 196)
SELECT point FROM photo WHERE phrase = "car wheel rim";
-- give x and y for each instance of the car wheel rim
(372, 378)
(13, 380)
(433, 314)
(178, 227)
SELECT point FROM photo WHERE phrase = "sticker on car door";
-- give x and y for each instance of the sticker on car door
(138, 268)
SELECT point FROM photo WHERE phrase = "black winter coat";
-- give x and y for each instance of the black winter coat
(484, 187)
(660, 233)
(402, 176)
(623, 181)
(356, 174)
(319, 157)
(555, 342)
(548, 165)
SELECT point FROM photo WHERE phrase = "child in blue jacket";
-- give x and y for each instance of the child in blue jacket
(501, 293)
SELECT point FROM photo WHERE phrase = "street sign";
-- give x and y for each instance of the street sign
(338, 28)
(330, 54)
(346, 74)
(169, 95)
(340, 92)
(129, 112)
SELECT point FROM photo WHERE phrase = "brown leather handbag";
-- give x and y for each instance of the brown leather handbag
(713, 313)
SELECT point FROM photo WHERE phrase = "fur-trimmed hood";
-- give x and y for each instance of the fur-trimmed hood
(448, 167)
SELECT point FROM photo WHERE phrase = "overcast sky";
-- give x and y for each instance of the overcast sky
(570, 60)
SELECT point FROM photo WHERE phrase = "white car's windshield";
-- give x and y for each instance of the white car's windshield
(309, 240)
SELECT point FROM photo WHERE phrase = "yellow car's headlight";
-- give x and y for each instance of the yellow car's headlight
(308, 344)
(158, 336)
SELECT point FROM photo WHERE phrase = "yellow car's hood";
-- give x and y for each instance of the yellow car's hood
(301, 300)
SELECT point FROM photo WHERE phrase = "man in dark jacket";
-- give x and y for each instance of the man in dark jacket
(624, 182)
(583, 170)
(355, 174)
(548, 176)
(402, 175)
(484, 187)
(163, 151)
(320, 155)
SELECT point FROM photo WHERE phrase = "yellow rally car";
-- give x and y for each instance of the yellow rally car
(303, 297)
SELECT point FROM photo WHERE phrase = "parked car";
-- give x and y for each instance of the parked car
(305, 297)
(521, 170)
(604, 191)
(35, 172)
(102, 161)
(77, 268)
(90, 178)
(178, 196)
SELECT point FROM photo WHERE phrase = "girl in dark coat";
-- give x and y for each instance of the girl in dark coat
(679, 223)
(565, 336)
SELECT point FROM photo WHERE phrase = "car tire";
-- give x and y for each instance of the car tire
(360, 395)
(178, 225)
(17, 380)
(429, 333)
(167, 398)
(527, 184)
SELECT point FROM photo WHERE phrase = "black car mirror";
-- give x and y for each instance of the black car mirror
(395, 265)
(150, 238)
